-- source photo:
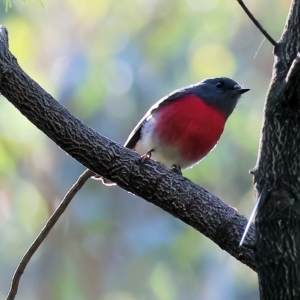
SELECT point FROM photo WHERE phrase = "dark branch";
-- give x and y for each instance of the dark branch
(294, 72)
(256, 23)
(45, 231)
(291, 91)
(173, 193)
(290, 39)
(288, 45)
(278, 166)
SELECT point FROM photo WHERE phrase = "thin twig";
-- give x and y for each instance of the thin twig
(45, 231)
(256, 23)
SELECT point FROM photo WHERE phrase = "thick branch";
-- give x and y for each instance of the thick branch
(289, 43)
(292, 88)
(291, 34)
(150, 180)
(278, 169)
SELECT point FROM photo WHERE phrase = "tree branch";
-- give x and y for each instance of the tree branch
(45, 231)
(278, 168)
(256, 23)
(150, 180)
(292, 88)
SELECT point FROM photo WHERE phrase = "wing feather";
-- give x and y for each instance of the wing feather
(135, 135)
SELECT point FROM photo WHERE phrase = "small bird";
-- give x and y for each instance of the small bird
(184, 126)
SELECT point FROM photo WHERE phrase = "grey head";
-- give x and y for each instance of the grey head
(220, 92)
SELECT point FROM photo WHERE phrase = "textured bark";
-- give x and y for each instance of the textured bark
(277, 173)
(149, 180)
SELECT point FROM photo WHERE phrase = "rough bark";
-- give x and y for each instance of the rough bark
(150, 180)
(277, 174)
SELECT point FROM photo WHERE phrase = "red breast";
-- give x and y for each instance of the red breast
(190, 125)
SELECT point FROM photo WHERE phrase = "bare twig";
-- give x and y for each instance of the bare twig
(256, 23)
(45, 231)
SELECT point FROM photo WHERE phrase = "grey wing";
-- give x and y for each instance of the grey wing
(135, 135)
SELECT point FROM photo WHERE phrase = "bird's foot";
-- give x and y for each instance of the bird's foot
(147, 155)
(176, 169)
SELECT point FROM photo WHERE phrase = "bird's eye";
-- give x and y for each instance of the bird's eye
(220, 84)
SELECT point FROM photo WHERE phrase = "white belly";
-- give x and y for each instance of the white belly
(163, 153)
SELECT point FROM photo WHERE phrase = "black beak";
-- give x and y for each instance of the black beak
(242, 91)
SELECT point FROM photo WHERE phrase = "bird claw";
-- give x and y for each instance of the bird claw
(176, 169)
(147, 155)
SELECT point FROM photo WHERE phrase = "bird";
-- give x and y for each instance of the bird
(183, 127)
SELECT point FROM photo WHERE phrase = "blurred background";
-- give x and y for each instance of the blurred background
(107, 62)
